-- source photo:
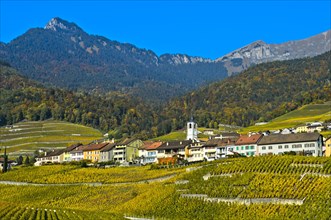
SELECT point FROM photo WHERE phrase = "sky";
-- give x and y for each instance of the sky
(209, 29)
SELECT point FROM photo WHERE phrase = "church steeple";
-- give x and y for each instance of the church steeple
(192, 130)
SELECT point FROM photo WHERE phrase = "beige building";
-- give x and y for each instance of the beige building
(328, 147)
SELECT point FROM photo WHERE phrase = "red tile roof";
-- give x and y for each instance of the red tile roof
(249, 139)
(153, 146)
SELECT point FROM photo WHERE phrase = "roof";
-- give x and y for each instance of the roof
(146, 144)
(174, 145)
(72, 147)
(154, 146)
(127, 141)
(53, 153)
(108, 147)
(79, 149)
(220, 142)
(289, 138)
(249, 139)
(95, 147)
(230, 134)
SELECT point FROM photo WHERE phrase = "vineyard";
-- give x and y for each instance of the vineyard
(76, 174)
(26, 137)
(264, 179)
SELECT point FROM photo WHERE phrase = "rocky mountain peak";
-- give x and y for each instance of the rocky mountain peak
(57, 24)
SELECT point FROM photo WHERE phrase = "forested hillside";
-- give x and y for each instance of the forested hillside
(21, 99)
(260, 93)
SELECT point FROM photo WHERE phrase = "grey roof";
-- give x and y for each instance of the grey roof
(174, 145)
(288, 138)
(108, 147)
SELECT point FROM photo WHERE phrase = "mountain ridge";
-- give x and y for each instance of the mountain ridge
(62, 54)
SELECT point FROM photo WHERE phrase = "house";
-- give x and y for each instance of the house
(209, 150)
(225, 147)
(225, 135)
(301, 129)
(107, 153)
(54, 156)
(92, 152)
(77, 153)
(127, 150)
(195, 152)
(328, 147)
(246, 145)
(301, 143)
(208, 132)
(315, 127)
(149, 153)
(173, 149)
(67, 154)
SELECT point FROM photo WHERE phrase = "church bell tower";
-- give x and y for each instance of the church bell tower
(192, 130)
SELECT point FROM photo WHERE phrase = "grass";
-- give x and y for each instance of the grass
(307, 113)
(26, 137)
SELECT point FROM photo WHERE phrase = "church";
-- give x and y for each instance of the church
(192, 131)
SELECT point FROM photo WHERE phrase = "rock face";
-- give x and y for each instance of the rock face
(261, 52)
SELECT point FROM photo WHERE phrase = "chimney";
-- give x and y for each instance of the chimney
(45, 153)
(113, 140)
(167, 143)
(180, 143)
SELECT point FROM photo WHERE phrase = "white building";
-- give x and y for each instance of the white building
(77, 154)
(246, 145)
(301, 143)
(192, 131)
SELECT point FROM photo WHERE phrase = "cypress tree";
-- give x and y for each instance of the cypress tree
(5, 162)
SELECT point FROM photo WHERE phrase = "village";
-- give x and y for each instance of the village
(304, 140)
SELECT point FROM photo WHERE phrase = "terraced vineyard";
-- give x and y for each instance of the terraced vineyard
(308, 113)
(271, 187)
(26, 137)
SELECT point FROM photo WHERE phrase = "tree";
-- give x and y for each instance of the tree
(5, 162)
(27, 160)
(19, 160)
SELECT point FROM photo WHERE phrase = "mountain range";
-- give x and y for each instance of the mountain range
(62, 54)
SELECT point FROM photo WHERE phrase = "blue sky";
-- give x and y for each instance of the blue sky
(209, 29)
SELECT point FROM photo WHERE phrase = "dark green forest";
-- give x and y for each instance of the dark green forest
(260, 93)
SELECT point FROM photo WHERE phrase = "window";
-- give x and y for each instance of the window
(306, 145)
(237, 148)
(190, 126)
(312, 145)
(252, 147)
(247, 147)
(242, 148)
(263, 148)
(286, 146)
(270, 147)
(280, 147)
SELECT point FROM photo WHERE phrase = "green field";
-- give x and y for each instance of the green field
(273, 187)
(26, 137)
(308, 113)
